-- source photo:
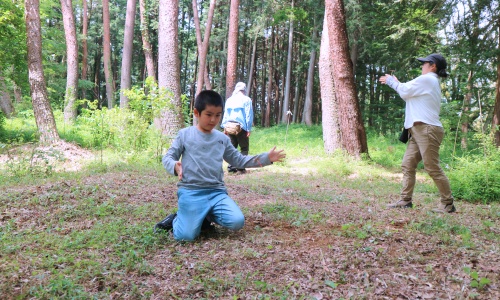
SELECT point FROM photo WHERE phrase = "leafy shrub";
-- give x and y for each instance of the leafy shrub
(476, 177)
(117, 128)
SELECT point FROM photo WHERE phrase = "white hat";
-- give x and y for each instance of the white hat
(240, 86)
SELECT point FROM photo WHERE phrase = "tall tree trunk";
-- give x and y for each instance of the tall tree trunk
(203, 45)
(168, 67)
(128, 49)
(252, 65)
(329, 104)
(270, 66)
(309, 87)
(97, 73)
(465, 112)
(263, 83)
(496, 112)
(296, 100)
(70, 107)
(108, 72)
(41, 107)
(353, 130)
(146, 45)
(5, 99)
(202, 48)
(85, 49)
(232, 47)
(286, 100)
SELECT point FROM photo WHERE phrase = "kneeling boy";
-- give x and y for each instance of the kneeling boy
(202, 193)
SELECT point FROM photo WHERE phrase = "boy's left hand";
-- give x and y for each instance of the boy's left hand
(276, 155)
(178, 169)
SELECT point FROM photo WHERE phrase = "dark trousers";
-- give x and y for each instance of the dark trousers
(241, 139)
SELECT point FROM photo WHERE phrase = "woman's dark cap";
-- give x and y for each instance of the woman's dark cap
(435, 58)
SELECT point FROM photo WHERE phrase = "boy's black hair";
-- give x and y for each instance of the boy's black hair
(208, 97)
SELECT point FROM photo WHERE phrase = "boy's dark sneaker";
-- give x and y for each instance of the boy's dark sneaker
(401, 204)
(166, 224)
(231, 169)
(207, 225)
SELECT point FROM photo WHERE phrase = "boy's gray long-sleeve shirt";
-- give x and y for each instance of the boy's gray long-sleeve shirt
(202, 155)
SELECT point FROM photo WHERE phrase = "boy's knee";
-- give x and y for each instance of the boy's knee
(236, 222)
(185, 236)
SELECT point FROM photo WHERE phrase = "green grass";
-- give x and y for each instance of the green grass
(314, 223)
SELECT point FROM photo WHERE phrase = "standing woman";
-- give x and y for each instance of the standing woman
(423, 103)
(237, 121)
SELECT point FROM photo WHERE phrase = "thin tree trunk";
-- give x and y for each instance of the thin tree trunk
(70, 107)
(97, 71)
(329, 104)
(202, 48)
(203, 45)
(108, 73)
(252, 65)
(203, 77)
(146, 45)
(128, 49)
(353, 130)
(232, 47)
(496, 112)
(310, 80)
(270, 81)
(263, 89)
(168, 67)
(85, 50)
(41, 107)
(296, 100)
(286, 100)
(465, 112)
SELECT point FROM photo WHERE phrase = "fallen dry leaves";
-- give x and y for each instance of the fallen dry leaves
(358, 249)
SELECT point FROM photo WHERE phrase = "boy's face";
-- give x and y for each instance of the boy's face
(209, 118)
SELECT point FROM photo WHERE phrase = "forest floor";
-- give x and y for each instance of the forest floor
(307, 235)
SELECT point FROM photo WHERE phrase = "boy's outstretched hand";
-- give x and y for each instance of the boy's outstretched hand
(276, 155)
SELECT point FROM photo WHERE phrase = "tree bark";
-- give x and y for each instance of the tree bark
(466, 109)
(252, 66)
(168, 67)
(70, 107)
(309, 87)
(267, 121)
(296, 100)
(85, 49)
(203, 45)
(286, 99)
(232, 47)
(353, 130)
(496, 112)
(329, 104)
(146, 45)
(41, 107)
(128, 49)
(108, 72)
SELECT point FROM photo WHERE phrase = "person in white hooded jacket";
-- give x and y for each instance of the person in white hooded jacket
(238, 115)
(423, 102)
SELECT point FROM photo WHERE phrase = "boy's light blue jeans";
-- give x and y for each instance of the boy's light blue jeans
(195, 205)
